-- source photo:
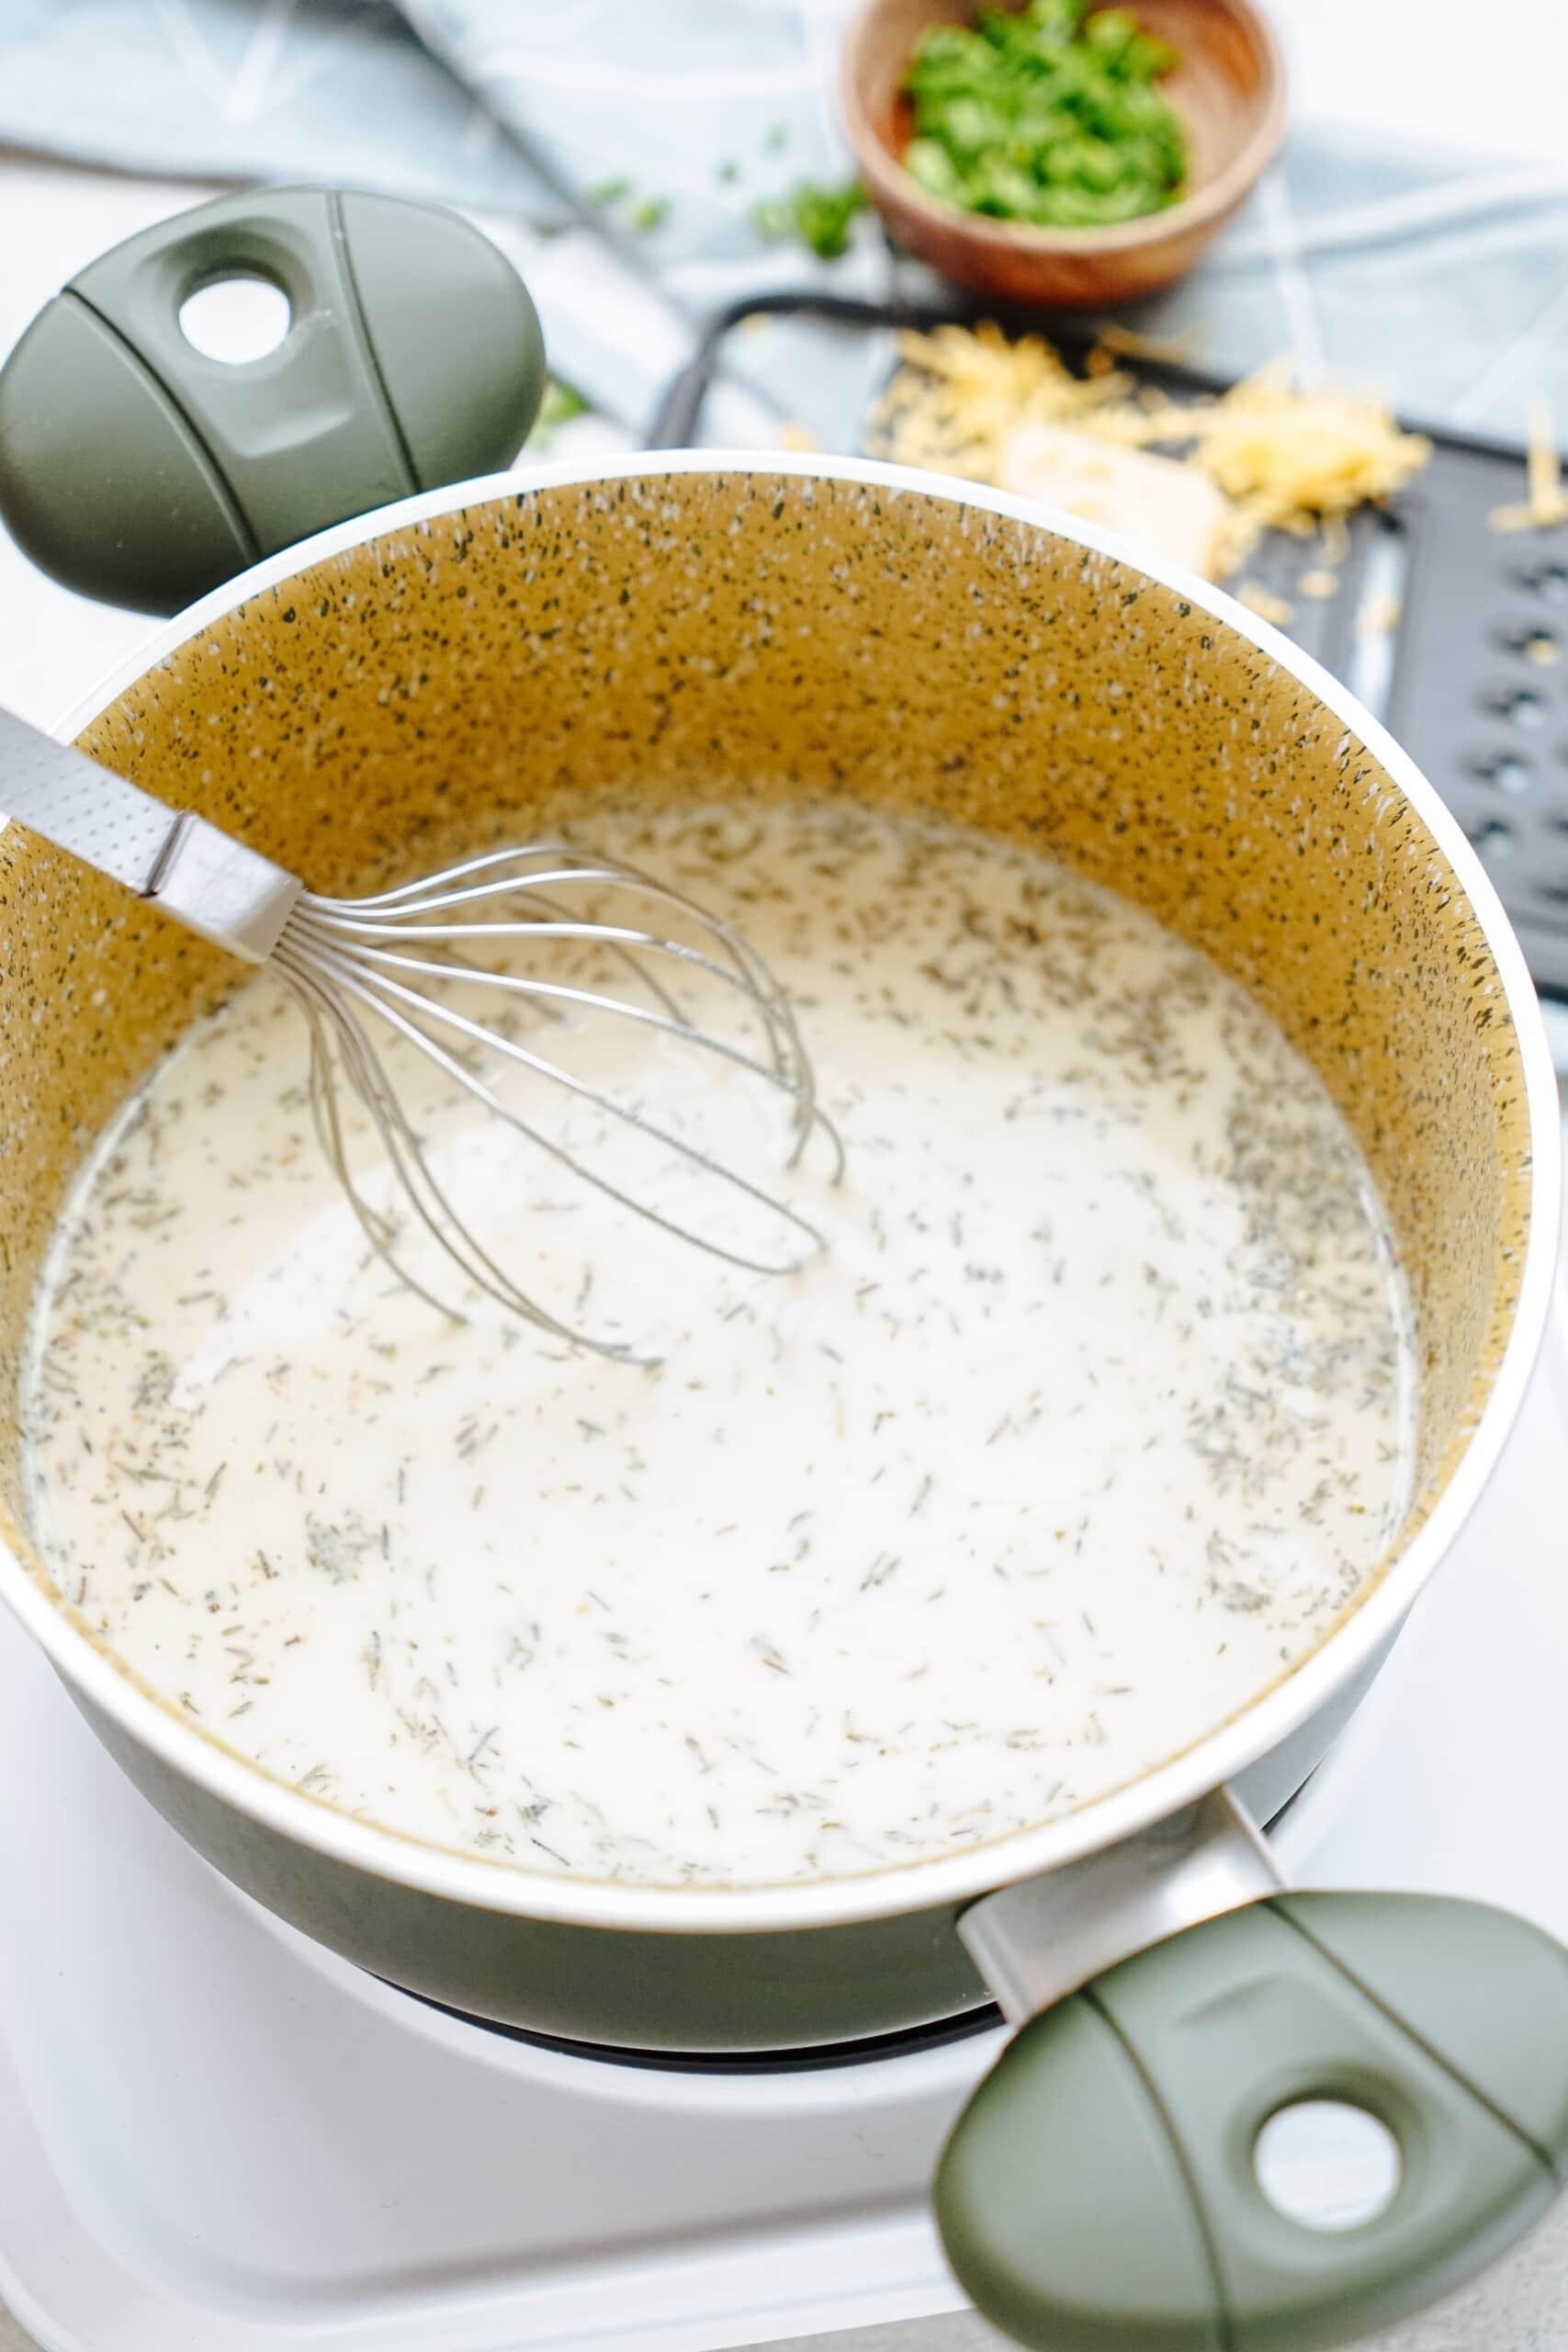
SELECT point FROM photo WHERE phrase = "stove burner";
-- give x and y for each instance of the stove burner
(898, 2045)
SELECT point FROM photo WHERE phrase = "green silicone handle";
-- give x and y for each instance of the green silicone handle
(1100, 2193)
(136, 469)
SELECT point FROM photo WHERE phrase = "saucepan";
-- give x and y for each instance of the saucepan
(815, 627)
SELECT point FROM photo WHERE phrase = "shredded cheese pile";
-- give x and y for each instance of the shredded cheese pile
(1283, 458)
(1546, 504)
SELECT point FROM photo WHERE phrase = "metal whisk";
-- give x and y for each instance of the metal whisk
(400, 955)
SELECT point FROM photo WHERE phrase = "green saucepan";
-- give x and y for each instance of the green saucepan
(773, 626)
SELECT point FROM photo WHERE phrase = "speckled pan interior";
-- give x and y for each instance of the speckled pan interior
(707, 635)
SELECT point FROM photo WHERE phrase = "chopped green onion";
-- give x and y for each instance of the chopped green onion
(818, 218)
(562, 402)
(1045, 115)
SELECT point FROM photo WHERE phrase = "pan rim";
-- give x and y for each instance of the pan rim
(946, 1882)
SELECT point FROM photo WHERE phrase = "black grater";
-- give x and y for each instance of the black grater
(1472, 677)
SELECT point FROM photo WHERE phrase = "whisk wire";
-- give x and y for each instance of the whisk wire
(405, 1010)
(411, 1171)
(586, 1000)
(376, 956)
(453, 887)
(394, 954)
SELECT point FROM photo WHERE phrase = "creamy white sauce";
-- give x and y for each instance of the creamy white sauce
(1092, 1418)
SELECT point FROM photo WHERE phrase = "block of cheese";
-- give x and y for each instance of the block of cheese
(1168, 506)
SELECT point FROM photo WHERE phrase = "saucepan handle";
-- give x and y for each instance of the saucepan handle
(1102, 2192)
(137, 470)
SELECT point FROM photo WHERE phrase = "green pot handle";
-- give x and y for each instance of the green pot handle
(137, 470)
(1100, 2193)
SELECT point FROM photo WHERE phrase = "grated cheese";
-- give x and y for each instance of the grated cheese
(1171, 507)
(1336, 538)
(1379, 616)
(1283, 459)
(1545, 506)
(1265, 604)
(1128, 343)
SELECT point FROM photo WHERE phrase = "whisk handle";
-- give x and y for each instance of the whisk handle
(206, 879)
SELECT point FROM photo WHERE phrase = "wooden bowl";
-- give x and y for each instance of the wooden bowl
(1229, 90)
